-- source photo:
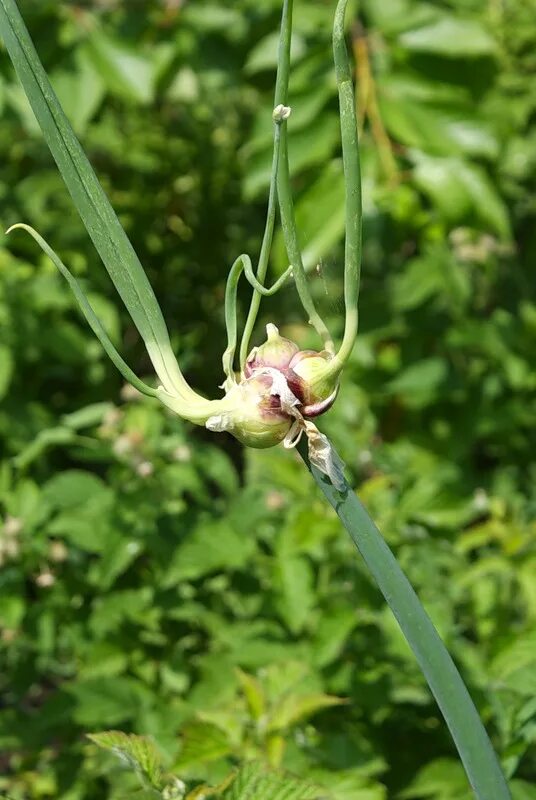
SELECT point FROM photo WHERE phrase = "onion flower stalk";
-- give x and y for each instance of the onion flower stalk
(267, 398)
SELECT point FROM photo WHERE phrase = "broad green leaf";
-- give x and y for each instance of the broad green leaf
(350, 784)
(513, 664)
(462, 190)
(218, 467)
(74, 488)
(450, 36)
(395, 16)
(523, 790)
(488, 205)
(94, 207)
(295, 708)
(420, 381)
(435, 274)
(124, 71)
(434, 128)
(102, 660)
(111, 610)
(442, 779)
(137, 751)
(201, 742)
(254, 782)
(71, 85)
(12, 609)
(107, 701)
(212, 17)
(264, 55)
(25, 501)
(118, 553)
(294, 586)
(211, 546)
(88, 528)
(333, 630)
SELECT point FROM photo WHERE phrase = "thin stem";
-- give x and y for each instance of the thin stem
(461, 716)
(280, 99)
(265, 248)
(242, 264)
(286, 205)
(352, 181)
(92, 204)
(88, 313)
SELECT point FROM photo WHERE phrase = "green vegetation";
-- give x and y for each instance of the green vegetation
(164, 583)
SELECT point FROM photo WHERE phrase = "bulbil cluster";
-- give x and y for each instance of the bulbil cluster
(280, 388)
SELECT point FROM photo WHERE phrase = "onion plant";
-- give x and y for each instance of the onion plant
(273, 392)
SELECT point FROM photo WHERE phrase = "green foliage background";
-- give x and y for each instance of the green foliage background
(160, 580)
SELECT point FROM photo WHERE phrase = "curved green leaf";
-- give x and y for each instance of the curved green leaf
(452, 697)
(93, 206)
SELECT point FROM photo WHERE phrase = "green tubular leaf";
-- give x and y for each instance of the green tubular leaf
(286, 205)
(88, 313)
(352, 175)
(264, 290)
(452, 697)
(93, 206)
(242, 263)
(265, 250)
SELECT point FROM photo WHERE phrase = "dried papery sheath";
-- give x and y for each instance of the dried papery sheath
(324, 457)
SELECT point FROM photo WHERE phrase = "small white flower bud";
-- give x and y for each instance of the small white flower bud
(281, 113)
(12, 526)
(182, 453)
(45, 579)
(145, 469)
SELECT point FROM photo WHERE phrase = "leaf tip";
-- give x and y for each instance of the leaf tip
(17, 226)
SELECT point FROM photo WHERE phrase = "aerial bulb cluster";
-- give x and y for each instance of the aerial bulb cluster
(305, 371)
(275, 399)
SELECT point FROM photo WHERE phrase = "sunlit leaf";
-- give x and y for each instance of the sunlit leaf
(137, 751)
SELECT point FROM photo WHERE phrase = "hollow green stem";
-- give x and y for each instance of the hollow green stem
(352, 181)
(280, 99)
(242, 264)
(461, 716)
(265, 249)
(286, 205)
(88, 313)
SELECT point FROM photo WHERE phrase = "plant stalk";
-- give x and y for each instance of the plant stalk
(469, 735)
(286, 205)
